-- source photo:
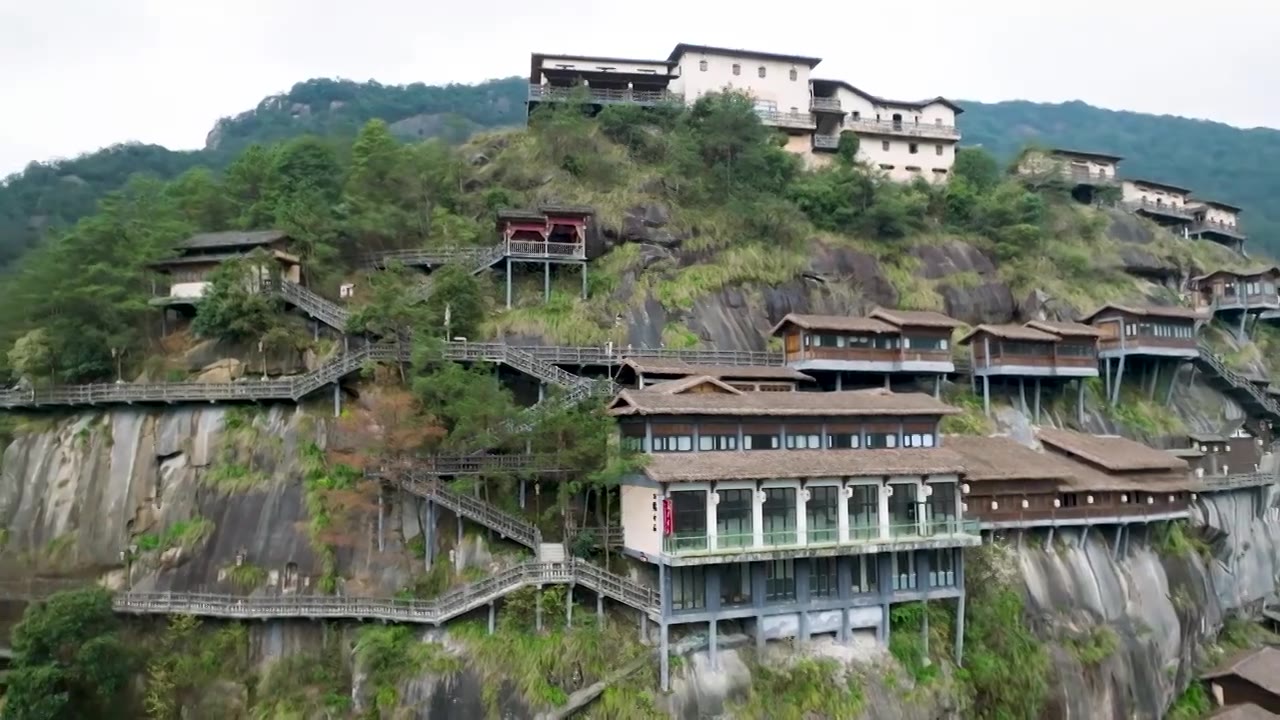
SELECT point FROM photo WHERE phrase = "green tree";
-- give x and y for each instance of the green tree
(469, 403)
(201, 200)
(725, 143)
(456, 289)
(847, 149)
(246, 184)
(69, 662)
(977, 167)
(375, 188)
(32, 355)
(233, 306)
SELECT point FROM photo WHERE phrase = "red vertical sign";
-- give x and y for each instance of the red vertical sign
(668, 523)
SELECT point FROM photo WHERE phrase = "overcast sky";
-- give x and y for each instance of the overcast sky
(76, 75)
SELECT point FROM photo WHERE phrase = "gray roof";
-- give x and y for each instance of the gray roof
(1260, 667)
(232, 239)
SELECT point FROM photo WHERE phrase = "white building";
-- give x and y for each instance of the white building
(904, 139)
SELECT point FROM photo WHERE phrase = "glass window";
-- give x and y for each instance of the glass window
(903, 510)
(876, 440)
(672, 443)
(822, 514)
(865, 574)
(734, 518)
(688, 588)
(884, 145)
(779, 514)
(633, 443)
(780, 581)
(737, 69)
(913, 148)
(735, 584)
(926, 343)
(689, 520)
(794, 74)
(844, 441)
(824, 577)
(759, 441)
(804, 442)
(917, 440)
(904, 570)
(937, 149)
(702, 65)
(942, 568)
(864, 512)
(718, 441)
(940, 510)
(761, 71)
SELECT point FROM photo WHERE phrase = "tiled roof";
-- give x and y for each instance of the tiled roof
(1161, 185)
(675, 387)
(1084, 477)
(1207, 437)
(778, 464)
(1165, 311)
(232, 239)
(1260, 667)
(1247, 272)
(1003, 458)
(1109, 452)
(1065, 328)
(659, 366)
(915, 318)
(1247, 711)
(1010, 332)
(836, 323)
(848, 403)
(1086, 154)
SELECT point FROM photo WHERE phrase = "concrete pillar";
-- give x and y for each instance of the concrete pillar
(542, 391)
(537, 609)
(584, 281)
(1115, 389)
(986, 395)
(493, 617)
(937, 387)
(337, 400)
(429, 534)
(1106, 374)
(508, 283)
(886, 381)
(664, 650)
(713, 644)
(1022, 394)
(1173, 380)
(839, 381)
(845, 633)
(381, 546)
(1037, 401)
(457, 548)
(759, 633)
(959, 642)
(522, 493)
(1155, 379)
(568, 607)
(546, 282)
(644, 628)
(600, 608)
(1080, 401)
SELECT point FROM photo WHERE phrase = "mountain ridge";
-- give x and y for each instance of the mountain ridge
(1216, 160)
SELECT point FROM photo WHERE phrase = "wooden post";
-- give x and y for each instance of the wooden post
(1037, 415)
(1115, 390)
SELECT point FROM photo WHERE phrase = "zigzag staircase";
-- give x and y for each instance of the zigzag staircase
(1252, 398)
(471, 508)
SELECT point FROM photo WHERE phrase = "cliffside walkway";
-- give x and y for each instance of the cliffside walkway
(541, 362)
(425, 483)
(427, 612)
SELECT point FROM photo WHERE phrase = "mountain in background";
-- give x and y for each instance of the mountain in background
(1217, 161)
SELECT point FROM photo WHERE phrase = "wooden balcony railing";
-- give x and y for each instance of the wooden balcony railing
(826, 142)
(1217, 226)
(1166, 209)
(825, 104)
(556, 93)
(779, 118)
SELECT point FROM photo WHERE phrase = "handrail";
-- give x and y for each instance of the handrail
(432, 612)
(902, 128)
(1238, 480)
(1209, 358)
(475, 509)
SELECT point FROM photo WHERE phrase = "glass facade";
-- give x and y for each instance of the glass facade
(865, 574)
(779, 514)
(735, 584)
(940, 511)
(780, 581)
(822, 514)
(864, 512)
(734, 524)
(688, 588)
(824, 578)
(688, 520)
(903, 510)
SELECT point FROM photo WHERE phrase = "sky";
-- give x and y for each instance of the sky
(77, 75)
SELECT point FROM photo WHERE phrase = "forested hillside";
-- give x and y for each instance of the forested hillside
(1218, 161)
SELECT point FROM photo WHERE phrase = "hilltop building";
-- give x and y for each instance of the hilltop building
(199, 255)
(1238, 295)
(905, 139)
(1085, 171)
(1041, 351)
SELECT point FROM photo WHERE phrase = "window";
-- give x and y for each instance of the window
(804, 442)
(824, 577)
(759, 441)
(904, 571)
(937, 149)
(780, 581)
(702, 65)
(718, 441)
(884, 145)
(633, 443)
(822, 514)
(877, 440)
(856, 115)
(737, 69)
(913, 148)
(672, 443)
(940, 510)
(1070, 500)
(903, 512)
(917, 440)
(942, 568)
(761, 71)
(688, 520)
(925, 343)
(864, 512)
(779, 515)
(844, 441)
(865, 571)
(734, 518)
(794, 74)
(688, 588)
(735, 584)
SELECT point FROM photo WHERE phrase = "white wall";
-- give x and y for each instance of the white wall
(776, 87)
(639, 520)
(188, 289)
(594, 64)
(1139, 191)
(871, 149)
(1221, 215)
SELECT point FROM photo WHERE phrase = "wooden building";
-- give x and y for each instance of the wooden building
(199, 255)
(797, 513)
(1249, 677)
(1240, 294)
(908, 344)
(1218, 222)
(1149, 339)
(1074, 480)
(1041, 351)
(550, 235)
(644, 372)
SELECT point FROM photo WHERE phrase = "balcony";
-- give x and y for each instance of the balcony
(602, 96)
(1082, 176)
(889, 127)
(826, 142)
(826, 104)
(1168, 210)
(797, 120)
(857, 538)
(1217, 227)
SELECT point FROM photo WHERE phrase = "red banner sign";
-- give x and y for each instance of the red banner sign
(668, 522)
